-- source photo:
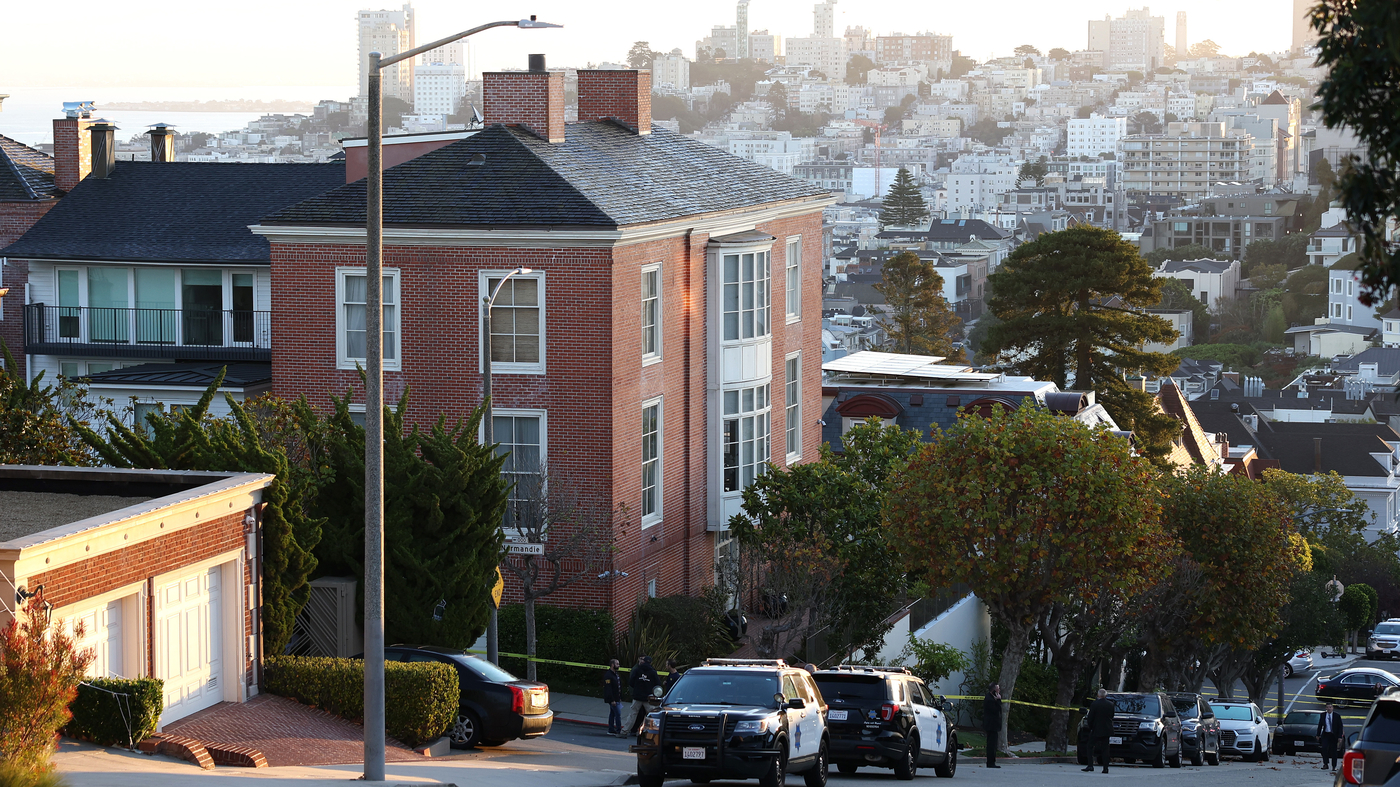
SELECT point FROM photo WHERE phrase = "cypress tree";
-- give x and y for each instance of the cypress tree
(904, 204)
(921, 321)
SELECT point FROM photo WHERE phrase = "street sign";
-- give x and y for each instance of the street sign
(498, 588)
(525, 549)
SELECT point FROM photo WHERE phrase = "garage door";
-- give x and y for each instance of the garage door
(188, 643)
(102, 634)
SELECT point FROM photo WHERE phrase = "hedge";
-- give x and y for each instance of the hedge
(116, 711)
(563, 633)
(420, 698)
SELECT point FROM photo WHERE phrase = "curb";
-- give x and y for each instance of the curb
(602, 724)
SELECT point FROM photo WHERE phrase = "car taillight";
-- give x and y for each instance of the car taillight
(888, 710)
(517, 699)
(1354, 766)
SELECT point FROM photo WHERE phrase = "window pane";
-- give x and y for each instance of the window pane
(526, 292)
(68, 288)
(731, 268)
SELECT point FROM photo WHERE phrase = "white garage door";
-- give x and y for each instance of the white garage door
(102, 634)
(188, 643)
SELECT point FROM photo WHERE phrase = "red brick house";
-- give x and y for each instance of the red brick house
(665, 344)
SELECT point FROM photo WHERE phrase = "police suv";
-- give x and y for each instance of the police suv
(737, 719)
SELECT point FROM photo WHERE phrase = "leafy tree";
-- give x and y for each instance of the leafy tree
(1359, 46)
(1305, 294)
(1191, 251)
(1323, 510)
(935, 661)
(987, 132)
(815, 530)
(36, 419)
(1268, 277)
(40, 670)
(1289, 252)
(641, 54)
(1305, 621)
(675, 108)
(1206, 48)
(1026, 50)
(896, 113)
(778, 98)
(1033, 170)
(392, 110)
(903, 205)
(960, 65)
(1033, 490)
(1177, 295)
(191, 440)
(921, 322)
(1145, 123)
(1057, 53)
(1355, 607)
(1233, 356)
(1070, 304)
(856, 69)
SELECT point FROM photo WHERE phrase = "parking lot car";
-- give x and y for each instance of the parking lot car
(1298, 732)
(1145, 727)
(886, 717)
(1356, 686)
(495, 706)
(1243, 731)
(1372, 754)
(737, 719)
(1200, 730)
(1384, 641)
(1299, 662)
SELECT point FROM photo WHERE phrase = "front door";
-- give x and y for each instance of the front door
(189, 644)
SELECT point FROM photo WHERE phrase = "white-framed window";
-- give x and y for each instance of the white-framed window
(1336, 310)
(522, 436)
(792, 414)
(517, 322)
(1349, 283)
(794, 279)
(745, 432)
(746, 311)
(651, 462)
(351, 291)
(651, 314)
(651, 588)
(1348, 313)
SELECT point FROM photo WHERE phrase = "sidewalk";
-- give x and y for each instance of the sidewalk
(581, 710)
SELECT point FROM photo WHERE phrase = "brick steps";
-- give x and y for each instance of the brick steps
(205, 755)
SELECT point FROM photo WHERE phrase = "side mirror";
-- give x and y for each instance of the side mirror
(797, 703)
(779, 698)
(940, 702)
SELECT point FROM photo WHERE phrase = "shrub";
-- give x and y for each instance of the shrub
(563, 634)
(421, 698)
(696, 625)
(13, 775)
(39, 675)
(115, 711)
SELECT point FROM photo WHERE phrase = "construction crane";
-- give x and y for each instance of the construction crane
(880, 129)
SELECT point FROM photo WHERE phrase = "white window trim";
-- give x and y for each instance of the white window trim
(797, 455)
(656, 516)
(498, 367)
(342, 360)
(650, 358)
(792, 316)
(528, 412)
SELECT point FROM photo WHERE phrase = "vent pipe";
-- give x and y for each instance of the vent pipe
(104, 150)
(162, 142)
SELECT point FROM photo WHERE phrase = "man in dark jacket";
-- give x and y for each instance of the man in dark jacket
(1099, 725)
(991, 722)
(612, 695)
(673, 674)
(644, 679)
(1330, 734)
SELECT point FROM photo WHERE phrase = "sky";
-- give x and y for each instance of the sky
(86, 43)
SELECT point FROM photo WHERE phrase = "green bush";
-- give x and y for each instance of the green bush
(421, 698)
(563, 634)
(12, 774)
(695, 624)
(116, 711)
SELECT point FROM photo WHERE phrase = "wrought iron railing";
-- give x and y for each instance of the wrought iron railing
(231, 334)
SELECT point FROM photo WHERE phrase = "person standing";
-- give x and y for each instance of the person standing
(673, 674)
(644, 679)
(991, 722)
(612, 695)
(1330, 734)
(1099, 725)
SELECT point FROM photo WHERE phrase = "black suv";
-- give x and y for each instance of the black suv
(1373, 756)
(1145, 727)
(495, 706)
(736, 719)
(886, 718)
(1200, 730)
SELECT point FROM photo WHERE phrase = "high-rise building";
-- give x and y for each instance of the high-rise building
(438, 88)
(722, 39)
(741, 29)
(672, 69)
(824, 19)
(389, 33)
(1135, 41)
(764, 46)
(1303, 34)
(827, 55)
(1182, 45)
(1187, 160)
(454, 52)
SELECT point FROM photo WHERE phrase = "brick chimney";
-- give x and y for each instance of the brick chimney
(532, 100)
(623, 96)
(72, 148)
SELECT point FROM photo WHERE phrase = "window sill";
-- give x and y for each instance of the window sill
(651, 360)
(516, 368)
(790, 459)
(792, 318)
(651, 521)
(358, 363)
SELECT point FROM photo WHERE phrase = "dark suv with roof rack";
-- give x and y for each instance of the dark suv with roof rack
(886, 717)
(736, 719)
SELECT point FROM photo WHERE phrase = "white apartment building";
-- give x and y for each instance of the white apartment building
(824, 19)
(1208, 280)
(774, 149)
(1344, 295)
(827, 55)
(825, 96)
(721, 39)
(948, 90)
(672, 69)
(1186, 160)
(1264, 165)
(976, 182)
(455, 52)
(765, 47)
(1095, 135)
(888, 77)
(438, 88)
(1330, 244)
(1135, 41)
(389, 33)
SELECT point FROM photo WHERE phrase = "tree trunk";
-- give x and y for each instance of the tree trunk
(1057, 737)
(1114, 681)
(1011, 658)
(530, 638)
(1150, 671)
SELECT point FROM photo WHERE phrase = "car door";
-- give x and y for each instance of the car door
(933, 736)
(813, 722)
(1210, 727)
(1171, 722)
(1357, 685)
(800, 744)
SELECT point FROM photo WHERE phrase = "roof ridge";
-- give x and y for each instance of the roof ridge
(518, 136)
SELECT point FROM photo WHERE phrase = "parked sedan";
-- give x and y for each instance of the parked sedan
(1298, 732)
(1360, 685)
(1298, 662)
(495, 706)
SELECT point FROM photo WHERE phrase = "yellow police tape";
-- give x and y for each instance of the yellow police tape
(539, 660)
(1013, 702)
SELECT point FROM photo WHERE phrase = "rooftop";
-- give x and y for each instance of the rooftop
(25, 173)
(869, 366)
(25, 513)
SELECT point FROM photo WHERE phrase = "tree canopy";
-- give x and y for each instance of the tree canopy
(856, 69)
(641, 54)
(921, 321)
(38, 420)
(903, 205)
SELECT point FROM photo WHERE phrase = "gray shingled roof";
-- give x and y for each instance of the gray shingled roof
(199, 374)
(602, 175)
(25, 173)
(172, 212)
(1387, 360)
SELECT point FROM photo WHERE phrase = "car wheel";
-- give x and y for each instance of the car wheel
(643, 780)
(1175, 760)
(777, 772)
(1213, 757)
(1160, 760)
(908, 765)
(1262, 750)
(1198, 759)
(816, 775)
(466, 731)
(1288, 670)
(847, 768)
(949, 767)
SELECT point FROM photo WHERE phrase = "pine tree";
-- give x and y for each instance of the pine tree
(921, 322)
(904, 204)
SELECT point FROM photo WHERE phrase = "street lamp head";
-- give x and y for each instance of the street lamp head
(523, 271)
(533, 23)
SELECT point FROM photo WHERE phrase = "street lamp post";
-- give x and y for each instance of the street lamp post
(493, 652)
(374, 398)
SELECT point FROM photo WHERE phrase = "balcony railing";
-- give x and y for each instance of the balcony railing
(178, 334)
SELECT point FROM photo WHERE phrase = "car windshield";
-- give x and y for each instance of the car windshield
(1307, 717)
(724, 688)
(1137, 704)
(1234, 712)
(485, 669)
(1389, 629)
(851, 687)
(1187, 709)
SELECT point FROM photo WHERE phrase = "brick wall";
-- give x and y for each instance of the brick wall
(72, 152)
(533, 100)
(620, 95)
(15, 219)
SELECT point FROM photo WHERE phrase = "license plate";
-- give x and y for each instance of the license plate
(837, 715)
(1300, 743)
(1115, 741)
(1387, 650)
(693, 753)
